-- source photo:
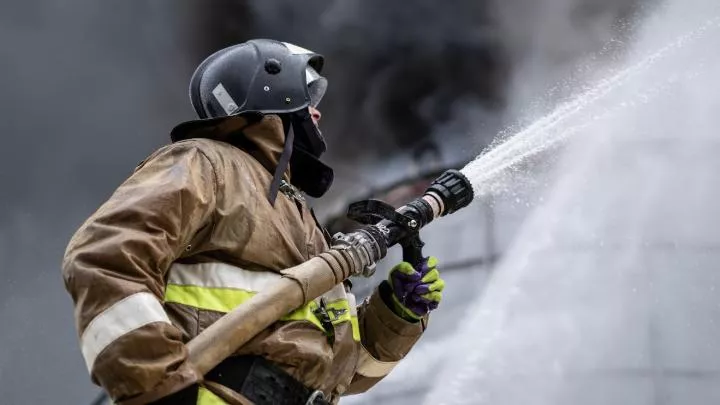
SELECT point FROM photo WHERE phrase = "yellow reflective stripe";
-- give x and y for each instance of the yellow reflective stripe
(226, 299)
(213, 299)
(355, 328)
(206, 397)
(340, 311)
(354, 316)
(304, 313)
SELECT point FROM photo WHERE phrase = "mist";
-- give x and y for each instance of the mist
(608, 293)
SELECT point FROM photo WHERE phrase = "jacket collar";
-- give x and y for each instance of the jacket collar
(263, 140)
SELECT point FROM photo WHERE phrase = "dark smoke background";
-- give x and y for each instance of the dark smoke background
(88, 89)
(395, 70)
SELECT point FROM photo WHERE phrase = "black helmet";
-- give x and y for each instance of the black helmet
(263, 76)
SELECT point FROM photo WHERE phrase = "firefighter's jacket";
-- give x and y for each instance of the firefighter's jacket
(189, 236)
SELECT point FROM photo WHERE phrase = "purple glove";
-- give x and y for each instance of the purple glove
(416, 292)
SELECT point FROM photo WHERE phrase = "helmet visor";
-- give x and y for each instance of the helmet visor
(317, 85)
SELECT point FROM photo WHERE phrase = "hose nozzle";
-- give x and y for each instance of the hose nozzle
(388, 226)
(449, 193)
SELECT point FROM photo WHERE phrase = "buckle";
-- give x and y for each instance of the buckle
(322, 315)
(317, 395)
(291, 191)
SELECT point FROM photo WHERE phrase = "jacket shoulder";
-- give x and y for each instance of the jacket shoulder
(203, 144)
(214, 151)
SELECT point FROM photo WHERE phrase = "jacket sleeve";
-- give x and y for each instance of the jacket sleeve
(114, 269)
(385, 339)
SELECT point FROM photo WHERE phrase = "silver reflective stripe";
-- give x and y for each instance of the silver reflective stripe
(124, 316)
(221, 275)
(337, 293)
(224, 99)
(352, 303)
(369, 366)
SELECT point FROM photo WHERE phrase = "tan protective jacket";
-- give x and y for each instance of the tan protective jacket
(189, 236)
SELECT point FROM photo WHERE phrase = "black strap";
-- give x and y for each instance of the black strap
(186, 396)
(281, 166)
(261, 381)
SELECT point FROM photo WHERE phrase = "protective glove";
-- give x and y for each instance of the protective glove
(415, 292)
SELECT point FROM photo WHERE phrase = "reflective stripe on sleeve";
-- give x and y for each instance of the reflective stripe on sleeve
(122, 317)
(369, 366)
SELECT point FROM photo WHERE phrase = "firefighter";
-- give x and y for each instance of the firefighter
(209, 220)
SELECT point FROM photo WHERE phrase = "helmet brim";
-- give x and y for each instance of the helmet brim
(195, 128)
(188, 129)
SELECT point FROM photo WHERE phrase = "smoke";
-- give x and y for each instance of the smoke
(407, 77)
(395, 67)
(415, 80)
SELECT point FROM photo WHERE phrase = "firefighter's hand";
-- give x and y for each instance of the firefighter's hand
(415, 291)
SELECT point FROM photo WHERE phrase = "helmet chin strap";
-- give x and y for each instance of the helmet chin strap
(282, 165)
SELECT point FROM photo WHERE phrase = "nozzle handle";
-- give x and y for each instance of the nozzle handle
(412, 249)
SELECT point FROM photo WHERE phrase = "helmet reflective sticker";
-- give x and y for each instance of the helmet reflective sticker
(296, 50)
(224, 99)
(317, 85)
